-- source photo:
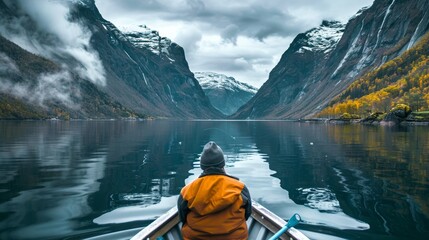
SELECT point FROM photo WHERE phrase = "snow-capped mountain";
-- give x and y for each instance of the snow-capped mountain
(290, 80)
(323, 38)
(149, 39)
(225, 93)
(318, 65)
(88, 68)
(210, 80)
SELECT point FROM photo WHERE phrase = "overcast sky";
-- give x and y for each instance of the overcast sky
(242, 39)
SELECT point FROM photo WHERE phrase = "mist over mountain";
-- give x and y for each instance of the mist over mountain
(322, 62)
(81, 55)
(63, 59)
(225, 93)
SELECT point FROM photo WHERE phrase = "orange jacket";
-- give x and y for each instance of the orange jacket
(214, 206)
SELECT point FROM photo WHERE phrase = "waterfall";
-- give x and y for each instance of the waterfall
(350, 51)
(416, 32)
(382, 24)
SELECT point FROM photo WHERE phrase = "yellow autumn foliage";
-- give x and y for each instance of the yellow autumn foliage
(403, 80)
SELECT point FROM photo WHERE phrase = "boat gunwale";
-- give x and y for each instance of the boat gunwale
(160, 226)
(265, 217)
(274, 223)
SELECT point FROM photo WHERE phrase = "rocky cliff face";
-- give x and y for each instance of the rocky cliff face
(225, 93)
(139, 71)
(309, 76)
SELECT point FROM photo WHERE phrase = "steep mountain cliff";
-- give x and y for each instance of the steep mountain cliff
(308, 76)
(403, 80)
(33, 87)
(140, 72)
(225, 93)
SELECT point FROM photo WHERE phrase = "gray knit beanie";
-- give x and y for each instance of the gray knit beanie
(212, 156)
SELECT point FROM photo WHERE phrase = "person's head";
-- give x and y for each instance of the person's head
(212, 156)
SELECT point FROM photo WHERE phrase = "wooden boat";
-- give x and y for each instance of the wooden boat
(262, 225)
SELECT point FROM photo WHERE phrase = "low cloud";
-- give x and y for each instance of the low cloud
(45, 28)
(47, 88)
(7, 65)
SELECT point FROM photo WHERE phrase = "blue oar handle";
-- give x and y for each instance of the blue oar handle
(294, 220)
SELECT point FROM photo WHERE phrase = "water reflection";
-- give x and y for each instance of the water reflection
(46, 184)
(371, 170)
(254, 168)
(349, 181)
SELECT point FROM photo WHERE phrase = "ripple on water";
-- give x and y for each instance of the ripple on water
(321, 199)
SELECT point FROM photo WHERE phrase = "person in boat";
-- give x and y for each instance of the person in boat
(215, 205)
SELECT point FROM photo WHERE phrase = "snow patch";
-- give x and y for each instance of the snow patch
(149, 39)
(323, 38)
(210, 80)
(360, 12)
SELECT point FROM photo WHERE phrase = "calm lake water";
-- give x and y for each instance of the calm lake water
(72, 180)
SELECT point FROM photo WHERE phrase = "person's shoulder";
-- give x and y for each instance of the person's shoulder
(233, 177)
(235, 180)
(187, 186)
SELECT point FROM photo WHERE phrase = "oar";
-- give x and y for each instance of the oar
(293, 221)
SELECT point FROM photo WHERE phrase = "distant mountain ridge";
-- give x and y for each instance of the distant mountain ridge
(83, 66)
(304, 82)
(141, 73)
(225, 93)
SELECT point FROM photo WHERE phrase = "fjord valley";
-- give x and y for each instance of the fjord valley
(322, 63)
(106, 74)
(102, 125)
(111, 73)
(225, 93)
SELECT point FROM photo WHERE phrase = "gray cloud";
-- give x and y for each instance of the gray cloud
(189, 40)
(230, 33)
(225, 64)
(254, 21)
(196, 5)
(257, 19)
(231, 21)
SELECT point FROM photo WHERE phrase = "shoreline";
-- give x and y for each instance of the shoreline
(360, 121)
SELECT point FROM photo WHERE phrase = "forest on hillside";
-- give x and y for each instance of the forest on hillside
(403, 80)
